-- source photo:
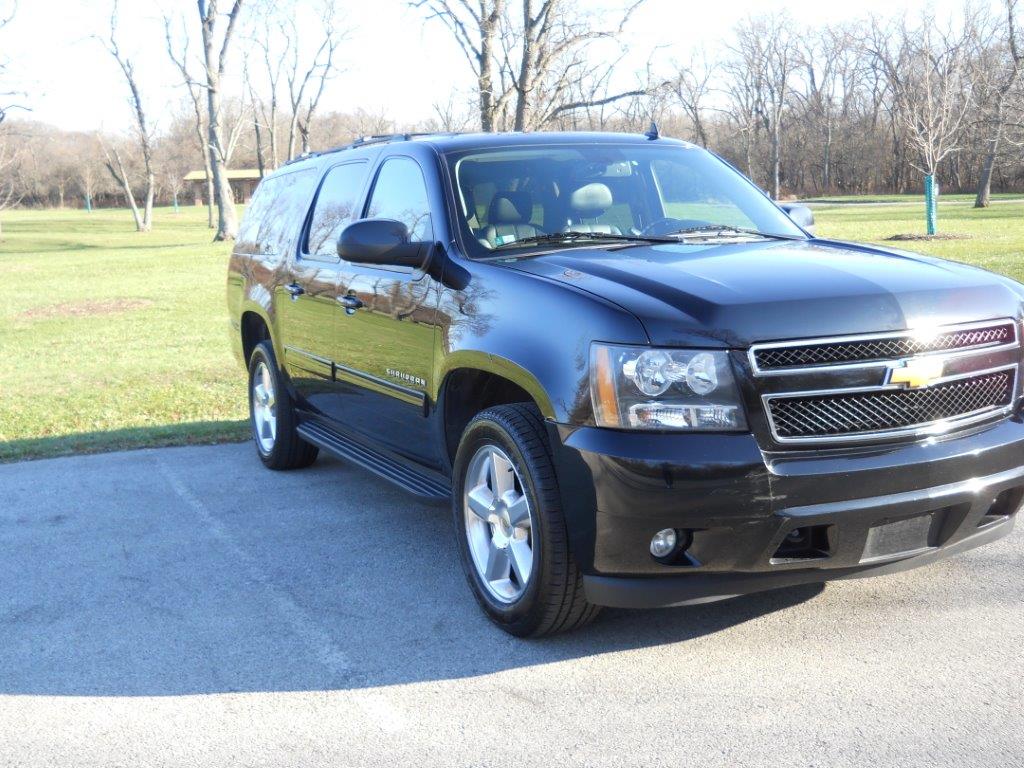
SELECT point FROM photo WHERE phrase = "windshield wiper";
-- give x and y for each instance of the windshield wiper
(555, 238)
(721, 229)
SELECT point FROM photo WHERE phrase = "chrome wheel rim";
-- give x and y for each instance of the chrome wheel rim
(499, 524)
(264, 408)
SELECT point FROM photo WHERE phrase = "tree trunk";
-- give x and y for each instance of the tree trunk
(121, 177)
(826, 164)
(776, 163)
(524, 84)
(485, 78)
(259, 144)
(129, 198)
(147, 217)
(210, 203)
(293, 127)
(984, 196)
(227, 216)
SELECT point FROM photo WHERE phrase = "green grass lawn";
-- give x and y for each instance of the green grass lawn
(913, 198)
(112, 339)
(994, 236)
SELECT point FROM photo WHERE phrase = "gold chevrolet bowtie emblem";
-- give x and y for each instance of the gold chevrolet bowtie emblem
(915, 374)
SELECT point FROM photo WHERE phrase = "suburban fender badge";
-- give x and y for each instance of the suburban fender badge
(915, 374)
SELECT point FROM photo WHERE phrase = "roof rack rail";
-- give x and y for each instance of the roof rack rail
(362, 141)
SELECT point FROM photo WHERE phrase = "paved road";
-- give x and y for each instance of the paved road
(186, 607)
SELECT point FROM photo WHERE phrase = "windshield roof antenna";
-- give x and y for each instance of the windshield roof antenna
(652, 132)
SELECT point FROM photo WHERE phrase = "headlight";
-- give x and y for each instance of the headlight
(666, 389)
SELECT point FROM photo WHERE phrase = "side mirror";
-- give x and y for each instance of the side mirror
(800, 214)
(383, 242)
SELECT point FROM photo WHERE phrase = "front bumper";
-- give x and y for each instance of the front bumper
(871, 511)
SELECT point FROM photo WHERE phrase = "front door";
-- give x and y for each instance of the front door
(387, 334)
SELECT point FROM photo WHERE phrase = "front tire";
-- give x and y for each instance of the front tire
(272, 414)
(509, 525)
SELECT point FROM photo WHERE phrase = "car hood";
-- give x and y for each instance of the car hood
(734, 294)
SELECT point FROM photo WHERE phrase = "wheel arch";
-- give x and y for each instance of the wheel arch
(254, 327)
(475, 381)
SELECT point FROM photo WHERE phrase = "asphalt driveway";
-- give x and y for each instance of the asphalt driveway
(186, 607)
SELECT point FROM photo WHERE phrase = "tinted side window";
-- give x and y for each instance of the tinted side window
(335, 207)
(400, 193)
(276, 212)
(263, 201)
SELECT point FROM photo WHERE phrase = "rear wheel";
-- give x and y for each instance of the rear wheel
(511, 532)
(272, 414)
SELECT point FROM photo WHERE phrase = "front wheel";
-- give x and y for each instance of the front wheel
(510, 528)
(272, 414)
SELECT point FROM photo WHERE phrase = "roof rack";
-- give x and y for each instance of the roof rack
(362, 141)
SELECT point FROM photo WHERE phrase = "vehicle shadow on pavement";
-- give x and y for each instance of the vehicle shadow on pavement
(193, 571)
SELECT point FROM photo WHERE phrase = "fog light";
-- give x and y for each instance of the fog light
(663, 543)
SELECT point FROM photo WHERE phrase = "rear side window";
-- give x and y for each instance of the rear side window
(400, 193)
(335, 207)
(276, 213)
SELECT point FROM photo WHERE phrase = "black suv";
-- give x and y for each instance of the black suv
(640, 381)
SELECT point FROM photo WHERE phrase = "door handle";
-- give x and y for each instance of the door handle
(295, 290)
(350, 303)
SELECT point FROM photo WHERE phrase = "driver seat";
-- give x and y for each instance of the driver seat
(508, 218)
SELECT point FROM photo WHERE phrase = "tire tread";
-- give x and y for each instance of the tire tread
(565, 606)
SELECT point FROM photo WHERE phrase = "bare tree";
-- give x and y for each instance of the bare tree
(115, 165)
(266, 109)
(7, 12)
(530, 59)
(476, 30)
(89, 171)
(928, 71)
(452, 116)
(308, 80)
(215, 61)
(9, 196)
(195, 95)
(766, 48)
(143, 222)
(553, 61)
(744, 96)
(828, 62)
(691, 87)
(1000, 72)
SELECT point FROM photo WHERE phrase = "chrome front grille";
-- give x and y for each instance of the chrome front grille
(772, 357)
(856, 413)
(887, 385)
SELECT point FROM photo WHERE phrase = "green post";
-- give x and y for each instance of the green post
(88, 203)
(931, 208)
(175, 202)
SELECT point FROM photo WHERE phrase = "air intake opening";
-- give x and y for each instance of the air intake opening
(809, 542)
(1006, 504)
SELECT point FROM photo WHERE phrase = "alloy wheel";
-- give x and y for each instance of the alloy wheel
(499, 524)
(264, 408)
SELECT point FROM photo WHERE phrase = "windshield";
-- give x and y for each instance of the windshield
(531, 195)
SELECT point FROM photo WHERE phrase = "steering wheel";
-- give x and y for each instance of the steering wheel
(668, 225)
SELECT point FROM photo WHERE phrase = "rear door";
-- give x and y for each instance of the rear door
(308, 299)
(386, 346)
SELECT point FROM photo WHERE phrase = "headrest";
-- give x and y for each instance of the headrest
(591, 199)
(510, 208)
